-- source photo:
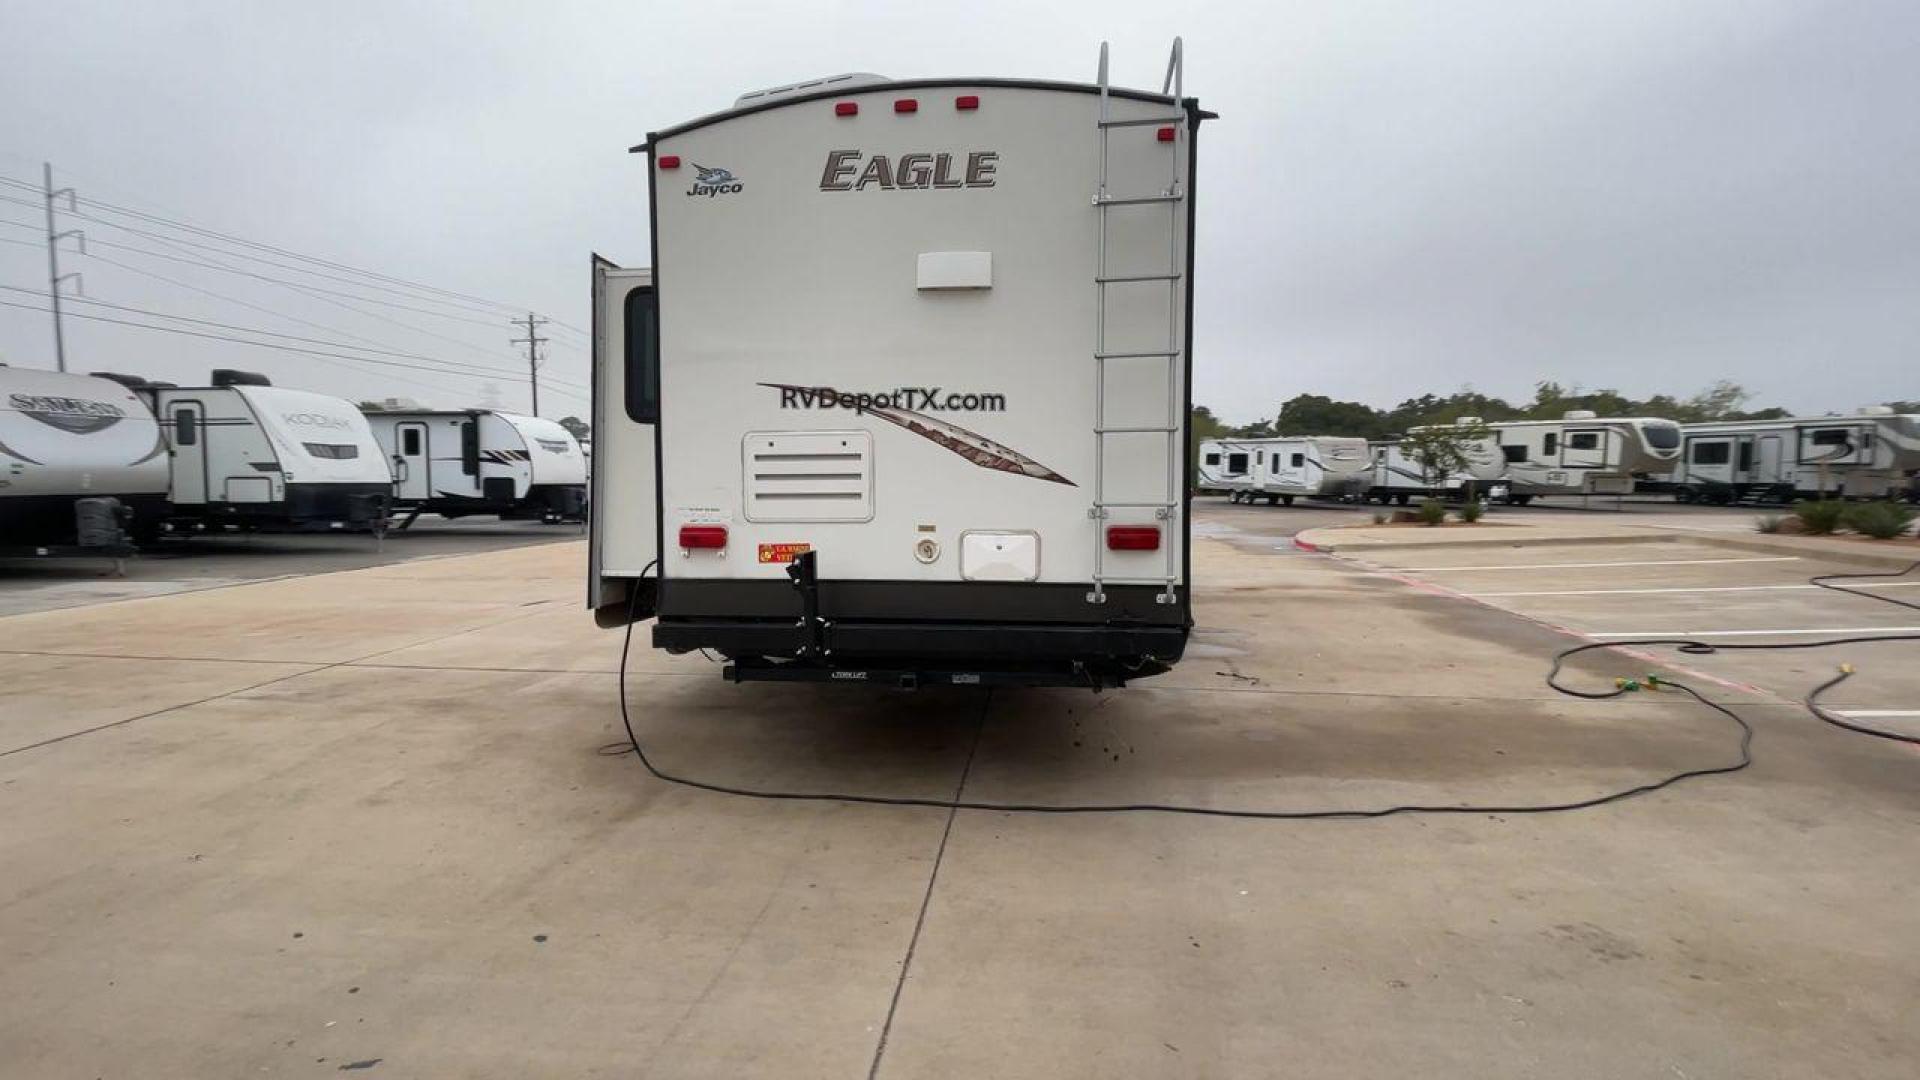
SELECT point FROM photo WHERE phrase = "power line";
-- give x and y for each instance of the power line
(259, 344)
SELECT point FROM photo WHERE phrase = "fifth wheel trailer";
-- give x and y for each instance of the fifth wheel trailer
(1871, 454)
(249, 455)
(1584, 454)
(903, 395)
(478, 461)
(66, 438)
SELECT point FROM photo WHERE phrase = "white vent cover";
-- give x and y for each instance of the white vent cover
(808, 475)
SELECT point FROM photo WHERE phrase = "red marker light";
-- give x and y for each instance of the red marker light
(967, 101)
(710, 537)
(906, 104)
(846, 108)
(1164, 135)
(1133, 538)
(670, 161)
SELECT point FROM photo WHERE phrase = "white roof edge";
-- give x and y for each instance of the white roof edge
(849, 81)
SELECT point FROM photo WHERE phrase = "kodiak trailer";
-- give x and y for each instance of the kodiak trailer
(252, 456)
(1584, 454)
(478, 461)
(67, 443)
(903, 397)
(1312, 466)
(1870, 455)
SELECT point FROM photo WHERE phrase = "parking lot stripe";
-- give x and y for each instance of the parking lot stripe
(1697, 588)
(1877, 712)
(1599, 565)
(1754, 633)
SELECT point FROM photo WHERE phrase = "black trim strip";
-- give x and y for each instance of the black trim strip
(920, 601)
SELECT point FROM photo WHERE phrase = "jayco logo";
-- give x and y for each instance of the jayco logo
(712, 182)
(844, 172)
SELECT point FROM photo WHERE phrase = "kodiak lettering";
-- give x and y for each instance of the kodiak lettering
(853, 170)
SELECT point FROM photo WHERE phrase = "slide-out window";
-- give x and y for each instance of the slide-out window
(410, 442)
(1584, 440)
(643, 357)
(1711, 453)
(1213, 459)
(1514, 454)
(1830, 437)
(185, 432)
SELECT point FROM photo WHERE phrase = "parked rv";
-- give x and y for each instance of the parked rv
(1226, 467)
(854, 414)
(67, 442)
(1871, 454)
(478, 461)
(249, 455)
(1314, 466)
(1584, 454)
(1400, 478)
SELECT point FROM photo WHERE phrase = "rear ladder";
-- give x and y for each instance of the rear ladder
(1172, 197)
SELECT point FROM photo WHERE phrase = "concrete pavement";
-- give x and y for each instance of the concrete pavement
(364, 818)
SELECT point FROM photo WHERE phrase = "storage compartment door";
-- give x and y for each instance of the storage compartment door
(624, 536)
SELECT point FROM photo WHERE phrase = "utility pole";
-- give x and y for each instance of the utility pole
(54, 276)
(532, 341)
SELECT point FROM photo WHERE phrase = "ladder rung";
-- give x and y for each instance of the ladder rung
(1134, 355)
(1133, 430)
(1136, 581)
(1136, 277)
(1137, 506)
(1135, 200)
(1143, 121)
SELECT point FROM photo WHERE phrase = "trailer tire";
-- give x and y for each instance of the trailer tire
(1273, 500)
(1403, 499)
(1287, 499)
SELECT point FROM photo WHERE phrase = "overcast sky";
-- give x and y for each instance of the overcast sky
(1399, 197)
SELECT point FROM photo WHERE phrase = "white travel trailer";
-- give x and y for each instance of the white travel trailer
(1583, 454)
(903, 398)
(250, 455)
(1225, 468)
(477, 461)
(1400, 477)
(1289, 467)
(1869, 455)
(65, 438)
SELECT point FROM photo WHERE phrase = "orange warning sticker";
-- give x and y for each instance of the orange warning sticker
(782, 553)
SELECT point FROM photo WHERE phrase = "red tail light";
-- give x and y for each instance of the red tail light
(1164, 135)
(1133, 538)
(846, 108)
(670, 161)
(967, 101)
(907, 104)
(703, 536)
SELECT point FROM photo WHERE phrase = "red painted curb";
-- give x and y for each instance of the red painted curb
(1304, 546)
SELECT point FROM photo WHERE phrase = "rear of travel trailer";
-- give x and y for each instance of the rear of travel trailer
(478, 461)
(250, 455)
(903, 397)
(1583, 454)
(1225, 467)
(1869, 455)
(1317, 466)
(66, 442)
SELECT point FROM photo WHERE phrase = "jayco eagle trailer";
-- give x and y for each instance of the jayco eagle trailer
(64, 438)
(477, 461)
(1289, 467)
(1582, 454)
(1225, 468)
(1869, 455)
(904, 396)
(251, 455)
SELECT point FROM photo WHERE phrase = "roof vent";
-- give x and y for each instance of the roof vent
(1468, 421)
(232, 377)
(1580, 414)
(131, 382)
(849, 81)
(1876, 410)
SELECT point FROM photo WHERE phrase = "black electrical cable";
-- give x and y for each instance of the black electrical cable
(1686, 645)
